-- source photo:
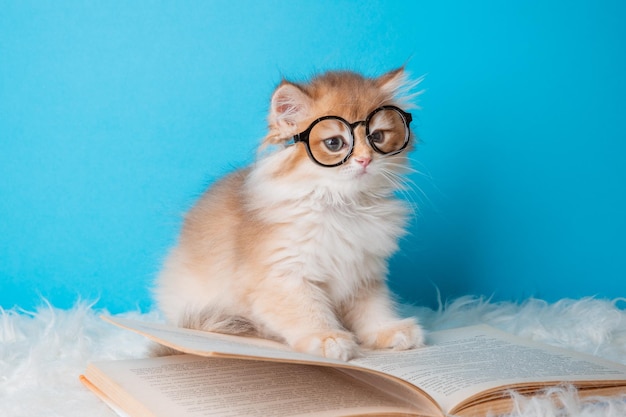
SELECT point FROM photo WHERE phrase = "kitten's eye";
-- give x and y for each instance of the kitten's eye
(334, 144)
(377, 136)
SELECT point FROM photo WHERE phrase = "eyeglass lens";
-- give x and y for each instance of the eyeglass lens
(330, 141)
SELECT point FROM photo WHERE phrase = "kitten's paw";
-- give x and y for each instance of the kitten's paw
(399, 335)
(334, 345)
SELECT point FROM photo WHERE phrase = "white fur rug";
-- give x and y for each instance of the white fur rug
(43, 352)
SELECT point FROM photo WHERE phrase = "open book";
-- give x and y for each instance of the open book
(465, 371)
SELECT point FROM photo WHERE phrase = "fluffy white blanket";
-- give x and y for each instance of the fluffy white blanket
(43, 352)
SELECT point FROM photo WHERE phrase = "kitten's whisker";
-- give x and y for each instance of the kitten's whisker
(424, 173)
(406, 186)
(403, 186)
(406, 169)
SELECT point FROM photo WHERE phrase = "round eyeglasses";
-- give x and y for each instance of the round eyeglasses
(329, 140)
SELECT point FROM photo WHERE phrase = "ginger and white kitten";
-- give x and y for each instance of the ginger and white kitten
(295, 251)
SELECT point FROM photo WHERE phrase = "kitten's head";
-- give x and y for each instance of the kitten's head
(331, 154)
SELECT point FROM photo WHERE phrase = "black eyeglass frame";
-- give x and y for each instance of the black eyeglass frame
(304, 136)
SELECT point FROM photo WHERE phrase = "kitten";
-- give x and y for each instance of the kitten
(295, 247)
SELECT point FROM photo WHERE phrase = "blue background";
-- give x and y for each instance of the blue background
(114, 116)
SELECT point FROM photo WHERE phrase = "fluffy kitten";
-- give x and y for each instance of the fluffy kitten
(295, 251)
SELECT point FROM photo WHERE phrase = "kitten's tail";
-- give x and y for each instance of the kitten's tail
(209, 319)
(212, 319)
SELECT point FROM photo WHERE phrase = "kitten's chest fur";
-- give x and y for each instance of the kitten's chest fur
(341, 245)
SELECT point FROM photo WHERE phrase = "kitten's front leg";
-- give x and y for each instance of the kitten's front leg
(372, 318)
(334, 344)
(300, 314)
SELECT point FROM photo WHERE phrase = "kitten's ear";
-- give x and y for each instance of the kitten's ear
(290, 105)
(398, 86)
(392, 80)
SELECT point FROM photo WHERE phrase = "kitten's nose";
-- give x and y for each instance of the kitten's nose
(363, 160)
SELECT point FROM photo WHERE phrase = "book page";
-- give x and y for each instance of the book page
(459, 363)
(216, 344)
(190, 386)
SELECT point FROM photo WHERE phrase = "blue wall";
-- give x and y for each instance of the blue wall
(115, 115)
